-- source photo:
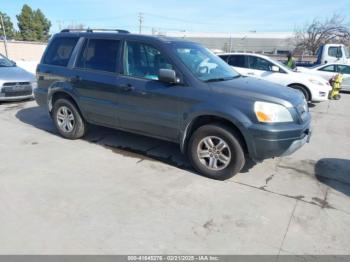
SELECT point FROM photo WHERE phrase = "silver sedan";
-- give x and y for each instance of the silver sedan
(15, 82)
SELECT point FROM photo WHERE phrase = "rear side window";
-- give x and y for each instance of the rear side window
(224, 57)
(99, 54)
(236, 60)
(60, 50)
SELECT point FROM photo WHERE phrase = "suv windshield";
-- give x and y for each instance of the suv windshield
(205, 65)
(5, 62)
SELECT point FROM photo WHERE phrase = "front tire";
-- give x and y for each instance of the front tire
(216, 151)
(68, 120)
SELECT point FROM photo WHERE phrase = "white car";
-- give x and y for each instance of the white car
(327, 71)
(314, 88)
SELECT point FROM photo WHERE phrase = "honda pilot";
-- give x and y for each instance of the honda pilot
(170, 89)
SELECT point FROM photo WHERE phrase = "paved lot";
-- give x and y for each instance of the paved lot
(113, 192)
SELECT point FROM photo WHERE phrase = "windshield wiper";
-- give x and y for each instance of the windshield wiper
(218, 79)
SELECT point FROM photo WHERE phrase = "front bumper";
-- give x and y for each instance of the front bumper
(16, 98)
(268, 141)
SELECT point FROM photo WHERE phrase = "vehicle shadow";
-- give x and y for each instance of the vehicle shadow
(124, 143)
(335, 173)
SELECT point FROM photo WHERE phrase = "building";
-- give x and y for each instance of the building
(257, 42)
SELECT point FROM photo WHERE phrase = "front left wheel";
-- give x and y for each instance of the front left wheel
(68, 120)
(216, 151)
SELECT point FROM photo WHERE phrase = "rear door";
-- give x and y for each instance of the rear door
(95, 80)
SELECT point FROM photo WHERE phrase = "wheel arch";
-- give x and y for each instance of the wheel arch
(205, 119)
(57, 94)
(302, 86)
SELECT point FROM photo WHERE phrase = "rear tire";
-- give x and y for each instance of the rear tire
(303, 90)
(68, 120)
(216, 151)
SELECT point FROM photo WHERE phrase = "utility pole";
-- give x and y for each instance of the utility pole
(4, 32)
(140, 22)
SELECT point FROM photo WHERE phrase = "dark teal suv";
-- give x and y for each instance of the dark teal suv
(170, 89)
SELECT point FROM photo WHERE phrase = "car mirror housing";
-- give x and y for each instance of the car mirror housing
(167, 76)
(275, 69)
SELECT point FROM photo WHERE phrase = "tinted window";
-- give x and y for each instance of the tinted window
(236, 60)
(329, 68)
(259, 63)
(99, 54)
(142, 60)
(60, 50)
(344, 69)
(334, 51)
(224, 57)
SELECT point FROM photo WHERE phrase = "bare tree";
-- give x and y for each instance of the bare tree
(332, 30)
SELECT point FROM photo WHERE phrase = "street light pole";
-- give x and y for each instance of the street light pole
(4, 32)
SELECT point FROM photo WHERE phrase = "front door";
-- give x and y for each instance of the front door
(147, 105)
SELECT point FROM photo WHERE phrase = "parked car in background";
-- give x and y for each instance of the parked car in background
(173, 90)
(15, 82)
(327, 71)
(314, 88)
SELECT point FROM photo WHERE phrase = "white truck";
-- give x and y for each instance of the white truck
(329, 53)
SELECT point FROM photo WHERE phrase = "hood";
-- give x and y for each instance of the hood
(15, 74)
(258, 90)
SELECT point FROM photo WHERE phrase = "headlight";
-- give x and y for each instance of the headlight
(272, 113)
(316, 82)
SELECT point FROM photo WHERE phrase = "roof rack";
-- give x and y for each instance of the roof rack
(89, 30)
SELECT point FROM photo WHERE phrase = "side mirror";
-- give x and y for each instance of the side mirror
(167, 76)
(275, 69)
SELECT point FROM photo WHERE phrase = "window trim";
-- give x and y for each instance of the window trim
(81, 50)
(72, 54)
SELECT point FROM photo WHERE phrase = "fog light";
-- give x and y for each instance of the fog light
(322, 94)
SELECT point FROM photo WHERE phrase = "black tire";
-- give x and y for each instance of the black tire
(79, 126)
(303, 90)
(233, 142)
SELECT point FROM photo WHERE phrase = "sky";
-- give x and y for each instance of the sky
(224, 16)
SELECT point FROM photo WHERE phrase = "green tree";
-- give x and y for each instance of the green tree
(26, 24)
(33, 25)
(41, 25)
(9, 30)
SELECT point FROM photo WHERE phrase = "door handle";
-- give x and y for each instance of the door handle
(75, 79)
(127, 88)
(251, 73)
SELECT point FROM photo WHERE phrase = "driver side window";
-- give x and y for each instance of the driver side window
(258, 63)
(143, 60)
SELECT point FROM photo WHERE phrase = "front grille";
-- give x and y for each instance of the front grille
(13, 89)
(16, 84)
(18, 93)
